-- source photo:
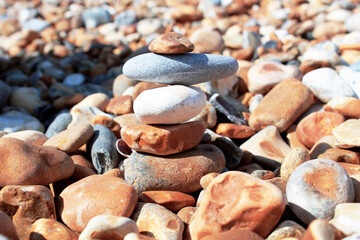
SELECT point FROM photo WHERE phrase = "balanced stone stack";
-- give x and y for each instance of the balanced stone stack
(160, 124)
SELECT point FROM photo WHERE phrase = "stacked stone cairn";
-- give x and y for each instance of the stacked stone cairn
(167, 154)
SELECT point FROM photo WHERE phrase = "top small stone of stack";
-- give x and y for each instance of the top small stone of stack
(171, 43)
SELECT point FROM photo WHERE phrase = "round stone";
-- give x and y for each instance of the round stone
(316, 187)
(169, 105)
(184, 69)
(171, 43)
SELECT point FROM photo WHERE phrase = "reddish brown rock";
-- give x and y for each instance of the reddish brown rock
(292, 138)
(82, 161)
(120, 105)
(95, 195)
(26, 164)
(171, 43)
(317, 125)
(29, 136)
(25, 205)
(282, 106)
(7, 227)
(233, 130)
(99, 100)
(346, 106)
(163, 139)
(236, 200)
(68, 101)
(109, 123)
(142, 86)
(351, 169)
(340, 155)
(172, 200)
(186, 213)
(72, 138)
(115, 172)
(236, 234)
(50, 229)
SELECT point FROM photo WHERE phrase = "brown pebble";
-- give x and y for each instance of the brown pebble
(68, 101)
(109, 123)
(115, 172)
(233, 130)
(171, 43)
(186, 213)
(50, 229)
(292, 160)
(320, 229)
(7, 227)
(340, 155)
(236, 234)
(142, 86)
(207, 179)
(120, 105)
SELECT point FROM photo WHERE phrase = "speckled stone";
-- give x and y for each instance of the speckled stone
(173, 173)
(164, 225)
(316, 187)
(185, 69)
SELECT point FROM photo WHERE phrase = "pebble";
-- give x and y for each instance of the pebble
(72, 138)
(326, 84)
(347, 134)
(325, 51)
(184, 69)
(14, 121)
(321, 229)
(68, 101)
(75, 79)
(27, 98)
(319, 181)
(172, 200)
(98, 100)
(317, 125)
(109, 123)
(8, 229)
(264, 76)
(350, 77)
(120, 105)
(163, 139)
(208, 114)
(108, 226)
(25, 205)
(207, 179)
(121, 83)
(340, 155)
(346, 218)
(223, 203)
(171, 43)
(27, 164)
(46, 228)
(294, 158)
(85, 114)
(232, 130)
(104, 155)
(272, 109)
(236, 234)
(59, 124)
(169, 105)
(166, 225)
(207, 40)
(172, 173)
(142, 86)
(346, 106)
(352, 23)
(287, 229)
(95, 16)
(29, 136)
(5, 94)
(95, 195)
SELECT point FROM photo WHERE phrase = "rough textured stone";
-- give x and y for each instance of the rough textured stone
(236, 200)
(172, 200)
(29, 136)
(162, 139)
(26, 164)
(347, 134)
(173, 173)
(92, 196)
(281, 106)
(294, 158)
(108, 227)
(71, 139)
(109, 123)
(25, 205)
(50, 229)
(98, 100)
(316, 187)
(185, 69)
(347, 218)
(7, 227)
(171, 43)
(102, 146)
(160, 222)
(232, 130)
(169, 105)
(317, 125)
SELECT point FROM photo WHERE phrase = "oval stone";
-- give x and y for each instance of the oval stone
(316, 187)
(184, 69)
(169, 105)
(95, 195)
(47, 229)
(181, 172)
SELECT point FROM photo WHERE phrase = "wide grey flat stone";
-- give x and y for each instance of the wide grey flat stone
(185, 69)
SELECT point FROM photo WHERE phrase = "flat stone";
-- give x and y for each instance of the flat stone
(184, 69)
(27, 164)
(120, 105)
(294, 158)
(172, 200)
(103, 151)
(171, 43)
(173, 173)
(235, 234)
(108, 227)
(15, 121)
(59, 124)
(267, 146)
(72, 138)
(326, 84)
(232, 130)
(47, 228)
(25, 205)
(321, 229)
(287, 229)
(340, 155)
(163, 139)
(346, 218)
(263, 174)
(229, 197)
(319, 181)
(8, 229)
(264, 76)
(347, 134)
(169, 105)
(95, 195)
(281, 106)
(29, 136)
(292, 138)
(165, 225)
(317, 125)
(346, 106)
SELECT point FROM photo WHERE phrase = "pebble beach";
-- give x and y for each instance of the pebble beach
(180, 120)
